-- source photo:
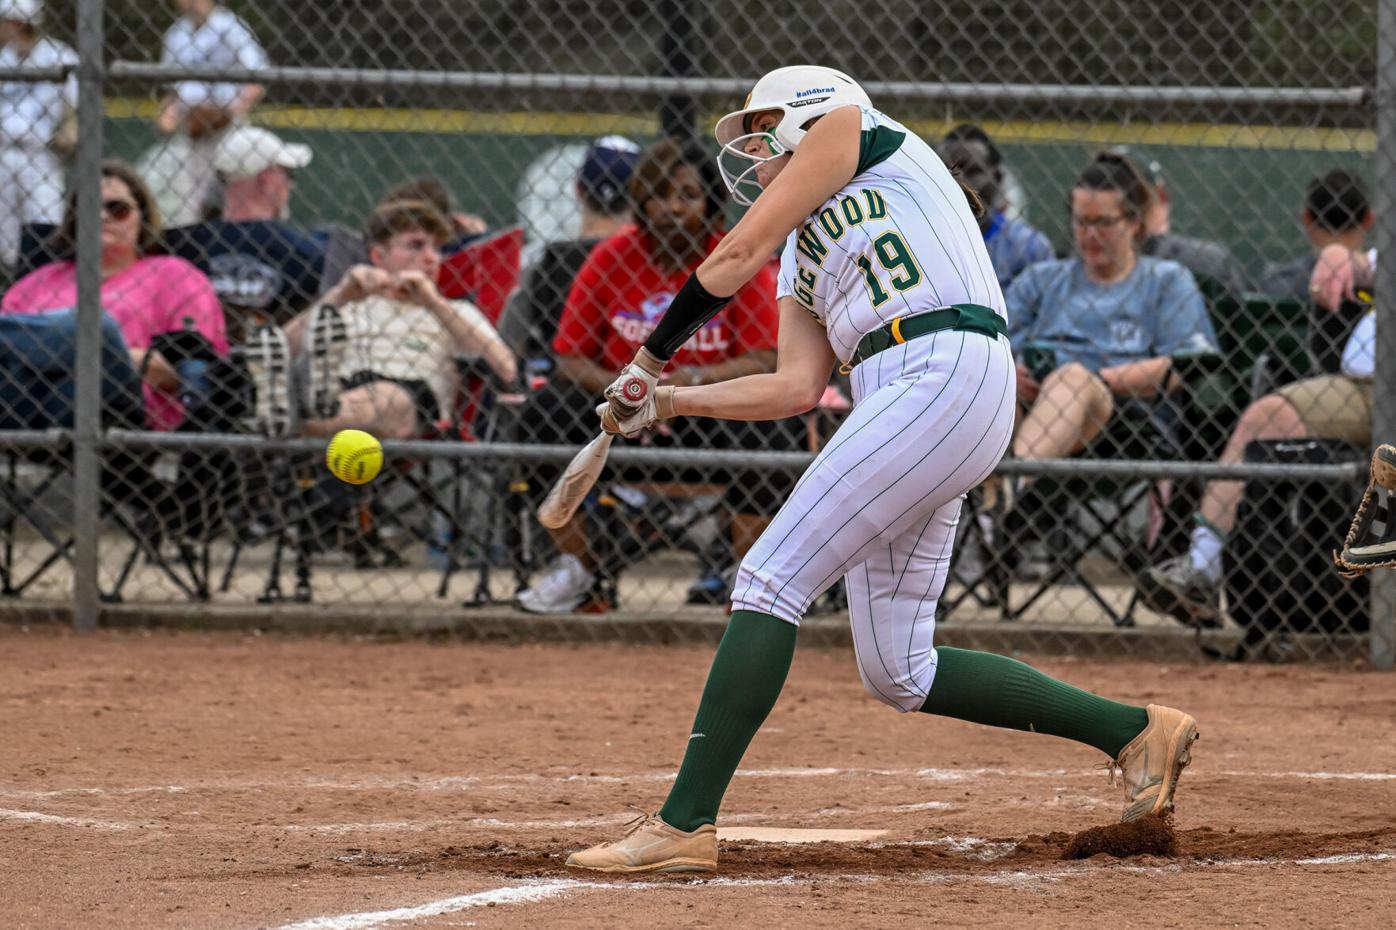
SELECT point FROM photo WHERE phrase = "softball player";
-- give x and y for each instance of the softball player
(884, 268)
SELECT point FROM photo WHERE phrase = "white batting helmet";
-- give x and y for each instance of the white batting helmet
(800, 93)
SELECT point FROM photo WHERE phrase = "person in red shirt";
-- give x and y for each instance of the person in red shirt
(620, 293)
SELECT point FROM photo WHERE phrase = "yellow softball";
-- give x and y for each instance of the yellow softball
(354, 456)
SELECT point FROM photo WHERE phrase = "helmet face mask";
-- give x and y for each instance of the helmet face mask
(801, 93)
(739, 167)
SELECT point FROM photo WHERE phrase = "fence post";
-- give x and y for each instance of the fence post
(1383, 636)
(679, 53)
(87, 178)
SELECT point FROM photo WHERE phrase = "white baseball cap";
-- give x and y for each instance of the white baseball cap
(22, 11)
(247, 151)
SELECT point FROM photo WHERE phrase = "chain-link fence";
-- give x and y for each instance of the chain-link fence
(451, 226)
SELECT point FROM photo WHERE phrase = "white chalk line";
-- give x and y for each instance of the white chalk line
(532, 892)
(58, 820)
(506, 782)
(525, 893)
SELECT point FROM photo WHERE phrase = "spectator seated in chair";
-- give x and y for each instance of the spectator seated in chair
(262, 267)
(623, 288)
(148, 294)
(1336, 405)
(1336, 212)
(380, 345)
(1095, 334)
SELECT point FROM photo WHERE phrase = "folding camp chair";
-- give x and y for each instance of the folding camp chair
(1076, 515)
(38, 364)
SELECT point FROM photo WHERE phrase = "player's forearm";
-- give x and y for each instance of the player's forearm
(748, 363)
(733, 263)
(770, 396)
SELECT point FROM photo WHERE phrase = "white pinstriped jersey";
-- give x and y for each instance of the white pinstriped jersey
(897, 240)
(930, 420)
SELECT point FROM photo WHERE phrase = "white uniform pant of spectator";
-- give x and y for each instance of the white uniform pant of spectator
(931, 418)
(180, 173)
(31, 191)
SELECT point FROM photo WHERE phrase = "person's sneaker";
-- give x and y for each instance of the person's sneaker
(651, 845)
(1176, 589)
(326, 344)
(714, 589)
(563, 587)
(268, 360)
(1151, 763)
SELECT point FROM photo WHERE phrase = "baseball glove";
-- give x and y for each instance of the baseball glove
(1371, 541)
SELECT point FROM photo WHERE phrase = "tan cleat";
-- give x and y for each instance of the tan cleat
(651, 845)
(1153, 760)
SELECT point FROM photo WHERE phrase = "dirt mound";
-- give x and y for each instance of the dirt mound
(1207, 843)
(1151, 835)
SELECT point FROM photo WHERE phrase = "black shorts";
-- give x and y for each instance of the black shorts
(423, 398)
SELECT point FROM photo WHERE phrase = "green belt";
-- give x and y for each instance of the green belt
(971, 318)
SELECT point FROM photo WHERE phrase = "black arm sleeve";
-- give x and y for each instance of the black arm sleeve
(692, 307)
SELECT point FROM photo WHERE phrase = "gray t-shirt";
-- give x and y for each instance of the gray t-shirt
(1156, 311)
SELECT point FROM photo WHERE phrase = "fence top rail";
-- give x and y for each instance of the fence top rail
(47, 440)
(1335, 97)
(45, 75)
(716, 458)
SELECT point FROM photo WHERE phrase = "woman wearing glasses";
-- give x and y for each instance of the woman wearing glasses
(1096, 333)
(146, 293)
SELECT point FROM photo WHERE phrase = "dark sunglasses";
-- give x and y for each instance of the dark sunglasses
(118, 209)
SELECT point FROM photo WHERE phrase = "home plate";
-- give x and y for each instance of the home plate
(786, 835)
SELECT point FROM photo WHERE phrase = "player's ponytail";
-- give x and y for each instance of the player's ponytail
(976, 203)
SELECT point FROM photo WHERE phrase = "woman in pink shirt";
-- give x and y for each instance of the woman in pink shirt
(147, 294)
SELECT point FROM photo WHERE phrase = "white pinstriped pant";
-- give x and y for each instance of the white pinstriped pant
(879, 505)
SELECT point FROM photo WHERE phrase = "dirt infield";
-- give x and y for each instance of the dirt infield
(229, 781)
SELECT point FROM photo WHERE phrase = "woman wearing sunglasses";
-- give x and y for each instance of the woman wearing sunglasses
(145, 292)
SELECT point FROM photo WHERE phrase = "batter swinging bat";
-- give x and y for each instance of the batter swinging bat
(562, 501)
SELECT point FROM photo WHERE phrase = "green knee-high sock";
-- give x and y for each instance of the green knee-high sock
(985, 688)
(747, 674)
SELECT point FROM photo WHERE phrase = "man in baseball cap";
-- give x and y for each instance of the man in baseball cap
(604, 179)
(249, 150)
(258, 262)
(257, 168)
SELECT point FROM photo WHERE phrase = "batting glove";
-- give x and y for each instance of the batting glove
(658, 406)
(634, 386)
